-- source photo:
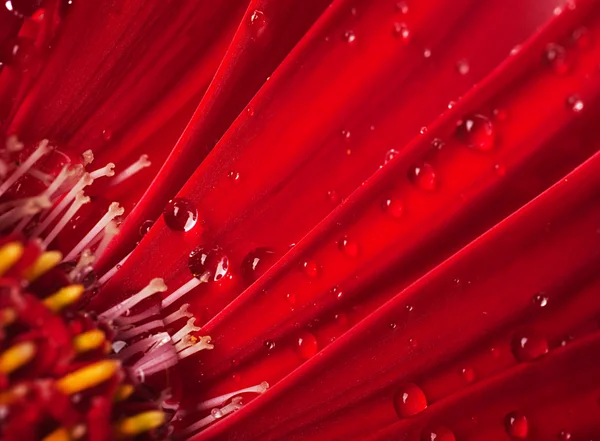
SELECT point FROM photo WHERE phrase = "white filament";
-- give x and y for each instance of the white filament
(106, 277)
(82, 268)
(132, 319)
(180, 313)
(110, 231)
(41, 150)
(181, 291)
(144, 345)
(140, 164)
(107, 170)
(187, 328)
(202, 344)
(79, 201)
(155, 285)
(134, 331)
(27, 207)
(218, 401)
(216, 413)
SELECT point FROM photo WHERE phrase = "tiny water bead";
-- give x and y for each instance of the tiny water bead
(540, 300)
(19, 52)
(337, 292)
(348, 247)
(392, 207)
(528, 346)
(208, 264)
(390, 154)
(307, 345)
(257, 262)
(145, 227)
(269, 345)
(24, 8)
(468, 374)
(476, 132)
(462, 66)
(349, 36)
(180, 215)
(516, 425)
(310, 268)
(564, 435)
(402, 7)
(401, 31)
(437, 434)
(556, 56)
(575, 103)
(409, 400)
(423, 176)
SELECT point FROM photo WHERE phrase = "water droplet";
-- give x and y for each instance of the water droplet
(233, 175)
(423, 130)
(256, 263)
(269, 344)
(427, 53)
(575, 103)
(451, 104)
(401, 31)
(349, 36)
(19, 52)
(346, 134)
(107, 134)
(390, 154)
(437, 144)
(409, 400)
(145, 227)
(423, 176)
(291, 299)
(540, 300)
(516, 425)
(208, 264)
(564, 435)
(257, 22)
(393, 325)
(310, 268)
(582, 37)
(24, 8)
(438, 434)
(477, 132)
(412, 343)
(393, 207)
(402, 7)
(337, 293)
(307, 345)
(250, 111)
(333, 196)
(348, 247)
(463, 67)
(180, 215)
(500, 169)
(556, 56)
(527, 346)
(468, 374)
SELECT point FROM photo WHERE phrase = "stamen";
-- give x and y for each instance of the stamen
(79, 201)
(180, 313)
(218, 401)
(45, 178)
(132, 319)
(110, 231)
(134, 331)
(83, 182)
(41, 150)
(158, 359)
(16, 356)
(216, 413)
(89, 341)
(87, 157)
(13, 144)
(114, 210)
(44, 263)
(30, 207)
(155, 285)
(138, 424)
(107, 170)
(123, 392)
(183, 290)
(188, 328)
(106, 277)
(87, 377)
(140, 164)
(10, 254)
(3, 168)
(186, 342)
(201, 345)
(82, 268)
(60, 434)
(64, 297)
(144, 345)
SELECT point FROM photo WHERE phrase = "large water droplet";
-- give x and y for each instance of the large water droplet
(409, 400)
(180, 215)
(307, 345)
(257, 22)
(564, 435)
(423, 176)
(516, 425)
(393, 207)
(437, 434)
(208, 264)
(556, 56)
(256, 263)
(528, 345)
(477, 132)
(348, 247)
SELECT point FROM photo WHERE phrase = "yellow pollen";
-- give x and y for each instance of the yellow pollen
(87, 377)
(44, 263)
(135, 425)
(89, 340)
(60, 434)
(64, 297)
(10, 254)
(16, 356)
(7, 316)
(123, 392)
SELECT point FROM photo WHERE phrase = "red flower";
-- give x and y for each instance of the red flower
(384, 214)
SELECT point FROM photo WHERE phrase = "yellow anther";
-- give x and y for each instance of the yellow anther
(64, 297)
(16, 356)
(44, 263)
(7, 316)
(10, 253)
(89, 340)
(60, 434)
(87, 377)
(135, 425)
(123, 392)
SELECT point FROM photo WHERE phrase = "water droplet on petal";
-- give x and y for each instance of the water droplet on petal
(427, 53)
(402, 7)
(393, 207)
(180, 215)
(349, 36)
(256, 263)
(463, 67)
(291, 299)
(269, 344)
(528, 346)
(575, 103)
(348, 247)
(336, 292)
(145, 227)
(401, 31)
(208, 264)
(468, 374)
(556, 56)
(564, 435)
(307, 345)
(233, 175)
(257, 22)
(423, 130)
(582, 37)
(333, 196)
(438, 434)
(390, 154)
(310, 268)
(24, 8)
(476, 132)
(19, 52)
(516, 425)
(409, 400)
(423, 176)
(540, 300)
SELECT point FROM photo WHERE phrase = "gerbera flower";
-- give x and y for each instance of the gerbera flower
(284, 220)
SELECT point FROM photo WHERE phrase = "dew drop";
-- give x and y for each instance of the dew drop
(269, 344)
(233, 175)
(516, 425)
(348, 247)
(500, 169)
(402, 7)
(540, 300)
(291, 299)
(19, 52)
(423, 130)
(468, 374)
(528, 346)
(463, 67)
(209, 264)
(423, 176)
(180, 215)
(145, 227)
(337, 293)
(437, 144)
(349, 36)
(437, 434)
(575, 104)
(427, 53)
(24, 8)
(310, 268)
(256, 263)
(307, 345)
(107, 135)
(556, 56)
(393, 325)
(333, 196)
(257, 22)
(409, 400)
(390, 154)
(392, 207)
(564, 435)
(476, 132)
(401, 31)
(582, 37)
(346, 135)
